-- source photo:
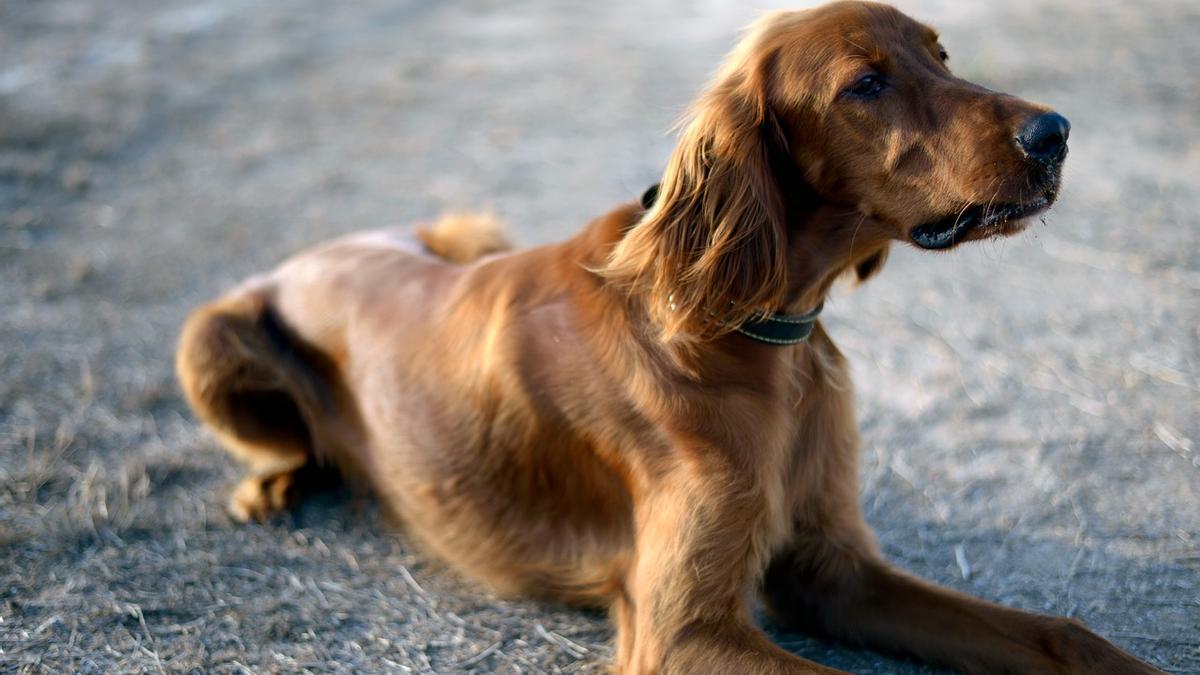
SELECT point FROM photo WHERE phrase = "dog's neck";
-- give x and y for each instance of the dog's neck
(824, 241)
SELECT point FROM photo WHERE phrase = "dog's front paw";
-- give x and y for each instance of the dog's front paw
(1085, 652)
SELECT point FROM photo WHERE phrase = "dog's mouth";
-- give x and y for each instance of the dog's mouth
(978, 221)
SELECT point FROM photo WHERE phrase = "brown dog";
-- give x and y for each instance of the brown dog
(637, 418)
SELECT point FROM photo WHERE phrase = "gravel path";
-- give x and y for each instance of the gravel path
(1031, 408)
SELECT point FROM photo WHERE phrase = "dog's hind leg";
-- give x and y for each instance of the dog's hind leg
(248, 379)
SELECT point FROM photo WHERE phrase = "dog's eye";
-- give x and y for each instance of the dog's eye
(943, 55)
(867, 86)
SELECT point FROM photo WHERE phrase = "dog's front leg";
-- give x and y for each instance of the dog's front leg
(821, 587)
(830, 581)
(829, 578)
(701, 530)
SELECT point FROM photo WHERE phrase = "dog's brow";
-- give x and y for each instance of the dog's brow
(856, 41)
(865, 50)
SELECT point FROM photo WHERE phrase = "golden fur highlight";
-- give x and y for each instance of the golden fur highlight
(462, 238)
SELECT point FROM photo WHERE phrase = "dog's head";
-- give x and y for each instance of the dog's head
(847, 109)
(873, 117)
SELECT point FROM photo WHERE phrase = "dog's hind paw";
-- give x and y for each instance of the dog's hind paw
(259, 498)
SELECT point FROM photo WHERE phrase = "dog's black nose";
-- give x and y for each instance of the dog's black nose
(1045, 138)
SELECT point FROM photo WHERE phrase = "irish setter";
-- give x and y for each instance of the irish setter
(647, 416)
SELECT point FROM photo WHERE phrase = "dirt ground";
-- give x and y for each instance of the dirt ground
(1030, 407)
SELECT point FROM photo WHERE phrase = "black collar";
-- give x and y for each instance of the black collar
(781, 329)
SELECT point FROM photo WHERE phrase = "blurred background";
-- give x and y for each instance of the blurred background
(1030, 407)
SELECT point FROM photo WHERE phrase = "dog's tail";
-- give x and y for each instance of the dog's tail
(462, 238)
(245, 376)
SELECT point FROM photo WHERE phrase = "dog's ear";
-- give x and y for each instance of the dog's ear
(711, 251)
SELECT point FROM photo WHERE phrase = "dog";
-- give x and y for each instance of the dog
(649, 417)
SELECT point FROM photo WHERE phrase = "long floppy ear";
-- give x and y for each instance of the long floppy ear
(711, 251)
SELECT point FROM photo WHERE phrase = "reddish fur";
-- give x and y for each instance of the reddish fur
(464, 237)
(577, 420)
